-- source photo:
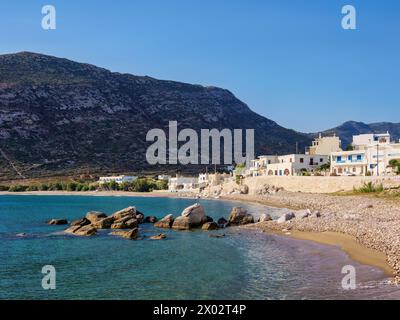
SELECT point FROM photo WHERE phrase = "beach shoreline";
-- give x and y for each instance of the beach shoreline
(311, 229)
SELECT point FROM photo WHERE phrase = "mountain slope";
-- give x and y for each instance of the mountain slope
(350, 128)
(59, 117)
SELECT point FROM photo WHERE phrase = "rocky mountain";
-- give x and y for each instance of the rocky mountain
(350, 128)
(59, 117)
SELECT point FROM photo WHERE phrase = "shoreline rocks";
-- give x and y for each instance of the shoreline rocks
(57, 222)
(165, 222)
(239, 216)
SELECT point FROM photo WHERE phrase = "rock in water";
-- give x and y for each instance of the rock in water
(265, 217)
(158, 236)
(239, 216)
(140, 217)
(130, 211)
(210, 226)
(217, 235)
(87, 230)
(80, 222)
(222, 222)
(165, 222)
(286, 217)
(126, 222)
(104, 223)
(94, 216)
(131, 234)
(150, 219)
(57, 221)
(191, 217)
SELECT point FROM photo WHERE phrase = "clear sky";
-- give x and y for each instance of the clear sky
(289, 60)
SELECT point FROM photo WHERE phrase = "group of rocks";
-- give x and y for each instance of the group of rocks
(126, 221)
(195, 217)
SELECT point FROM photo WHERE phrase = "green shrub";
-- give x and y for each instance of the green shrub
(18, 188)
(369, 187)
(4, 188)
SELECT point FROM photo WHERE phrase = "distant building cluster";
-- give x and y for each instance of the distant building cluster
(369, 154)
(118, 179)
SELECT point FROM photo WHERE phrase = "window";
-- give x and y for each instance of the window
(321, 160)
(359, 157)
(301, 160)
(350, 158)
(276, 172)
(339, 158)
(269, 161)
(354, 169)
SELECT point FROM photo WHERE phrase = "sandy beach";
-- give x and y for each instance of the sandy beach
(367, 229)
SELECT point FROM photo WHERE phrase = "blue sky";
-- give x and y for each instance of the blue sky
(288, 60)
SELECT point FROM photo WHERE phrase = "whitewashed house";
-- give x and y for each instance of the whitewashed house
(117, 179)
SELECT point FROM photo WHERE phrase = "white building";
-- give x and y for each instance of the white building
(371, 155)
(287, 165)
(180, 183)
(117, 179)
(325, 145)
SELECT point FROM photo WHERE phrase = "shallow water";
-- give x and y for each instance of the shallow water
(245, 264)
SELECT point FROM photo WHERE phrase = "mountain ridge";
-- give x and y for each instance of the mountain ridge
(60, 117)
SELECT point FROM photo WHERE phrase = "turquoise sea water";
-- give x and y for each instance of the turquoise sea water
(187, 265)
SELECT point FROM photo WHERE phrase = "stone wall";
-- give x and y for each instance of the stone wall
(317, 184)
(313, 184)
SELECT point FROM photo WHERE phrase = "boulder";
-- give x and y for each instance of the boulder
(222, 221)
(209, 219)
(131, 234)
(150, 219)
(140, 217)
(315, 214)
(80, 222)
(22, 234)
(191, 217)
(181, 223)
(57, 221)
(130, 211)
(87, 230)
(158, 236)
(94, 216)
(209, 226)
(244, 189)
(104, 223)
(195, 213)
(125, 223)
(303, 214)
(286, 217)
(265, 217)
(217, 235)
(165, 222)
(239, 216)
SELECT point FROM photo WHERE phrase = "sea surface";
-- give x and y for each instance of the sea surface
(246, 264)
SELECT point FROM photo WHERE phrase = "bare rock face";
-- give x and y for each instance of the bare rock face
(209, 226)
(57, 222)
(130, 211)
(87, 230)
(158, 236)
(191, 217)
(239, 216)
(131, 234)
(165, 222)
(140, 217)
(81, 222)
(94, 216)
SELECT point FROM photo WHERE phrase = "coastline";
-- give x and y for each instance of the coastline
(357, 248)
